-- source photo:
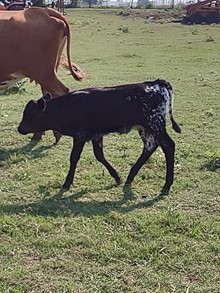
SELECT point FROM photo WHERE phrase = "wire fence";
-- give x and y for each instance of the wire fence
(155, 3)
(131, 3)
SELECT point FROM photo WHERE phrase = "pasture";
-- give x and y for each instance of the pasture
(98, 237)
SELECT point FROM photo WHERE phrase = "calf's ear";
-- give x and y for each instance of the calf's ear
(41, 104)
(47, 96)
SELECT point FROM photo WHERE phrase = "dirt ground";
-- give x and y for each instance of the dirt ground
(154, 14)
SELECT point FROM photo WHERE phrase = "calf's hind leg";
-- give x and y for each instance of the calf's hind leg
(168, 147)
(99, 154)
(150, 146)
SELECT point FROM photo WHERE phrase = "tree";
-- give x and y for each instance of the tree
(75, 3)
(90, 2)
(144, 3)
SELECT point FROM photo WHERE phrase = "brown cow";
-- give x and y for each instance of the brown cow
(31, 44)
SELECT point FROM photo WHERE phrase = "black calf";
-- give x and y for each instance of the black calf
(91, 113)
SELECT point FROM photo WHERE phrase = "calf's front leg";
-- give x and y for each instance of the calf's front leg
(37, 136)
(74, 158)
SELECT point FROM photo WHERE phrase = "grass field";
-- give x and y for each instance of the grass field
(97, 237)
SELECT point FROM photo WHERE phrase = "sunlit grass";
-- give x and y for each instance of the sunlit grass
(98, 237)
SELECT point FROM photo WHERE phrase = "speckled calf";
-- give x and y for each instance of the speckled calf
(89, 114)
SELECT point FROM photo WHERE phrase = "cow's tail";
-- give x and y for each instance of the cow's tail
(175, 125)
(75, 70)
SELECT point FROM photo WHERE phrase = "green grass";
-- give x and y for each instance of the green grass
(98, 237)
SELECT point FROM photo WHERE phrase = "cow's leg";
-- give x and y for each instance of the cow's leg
(168, 147)
(150, 145)
(56, 88)
(99, 154)
(60, 90)
(74, 158)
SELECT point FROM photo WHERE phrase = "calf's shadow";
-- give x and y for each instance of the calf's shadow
(29, 148)
(61, 205)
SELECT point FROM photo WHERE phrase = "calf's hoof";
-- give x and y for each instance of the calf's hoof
(128, 182)
(118, 180)
(165, 189)
(37, 136)
(66, 186)
(57, 136)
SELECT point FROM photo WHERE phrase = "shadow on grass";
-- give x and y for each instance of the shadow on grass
(5, 154)
(59, 205)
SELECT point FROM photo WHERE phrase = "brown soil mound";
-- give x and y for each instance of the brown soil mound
(153, 14)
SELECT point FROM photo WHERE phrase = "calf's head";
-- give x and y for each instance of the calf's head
(34, 118)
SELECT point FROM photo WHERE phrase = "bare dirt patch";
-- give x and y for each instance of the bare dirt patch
(153, 14)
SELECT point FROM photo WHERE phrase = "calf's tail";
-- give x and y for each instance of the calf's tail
(175, 125)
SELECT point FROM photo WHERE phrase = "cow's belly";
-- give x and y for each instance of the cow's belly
(10, 80)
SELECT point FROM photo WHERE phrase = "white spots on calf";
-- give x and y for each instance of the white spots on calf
(148, 138)
(149, 142)
(155, 88)
(168, 97)
(130, 98)
(157, 116)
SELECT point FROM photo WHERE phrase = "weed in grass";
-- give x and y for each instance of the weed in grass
(140, 64)
(213, 161)
(129, 55)
(101, 28)
(124, 29)
(209, 39)
(210, 112)
(194, 31)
